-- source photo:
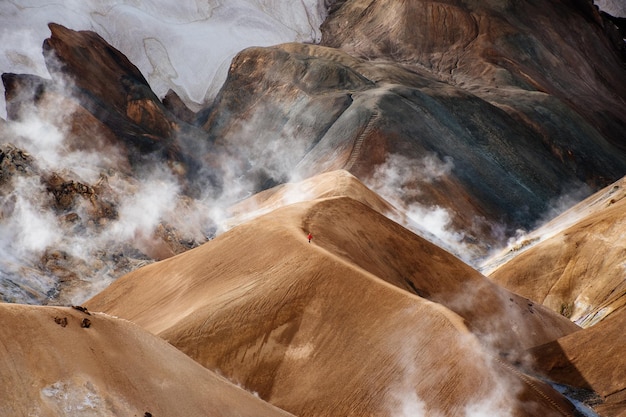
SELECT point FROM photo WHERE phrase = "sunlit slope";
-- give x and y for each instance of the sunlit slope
(336, 183)
(575, 264)
(593, 358)
(52, 364)
(322, 328)
(404, 260)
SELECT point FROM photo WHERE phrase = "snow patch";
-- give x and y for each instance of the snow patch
(395, 180)
(184, 45)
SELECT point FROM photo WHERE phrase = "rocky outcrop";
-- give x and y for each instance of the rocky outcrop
(108, 85)
(175, 104)
(14, 161)
(92, 77)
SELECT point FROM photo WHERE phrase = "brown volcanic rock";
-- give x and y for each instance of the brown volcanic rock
(14, 161)
(175, 104)
(96, 79)
(574, 264)
(63, 361)
(480, 44)
(592, 359)
(109, 81)
(277, 103)
(326, 328)
(473, 84)
(112, 89)
(101, 66)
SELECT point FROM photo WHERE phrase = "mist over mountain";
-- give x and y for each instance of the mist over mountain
(164, 162)
(185, 46)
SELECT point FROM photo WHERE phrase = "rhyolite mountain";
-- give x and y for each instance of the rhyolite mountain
(574, 263)
(524, 107)
(411, 325)
(519, 108)
(489, 112)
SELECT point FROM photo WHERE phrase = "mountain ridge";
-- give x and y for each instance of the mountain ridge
(256, 321)
(316, 233)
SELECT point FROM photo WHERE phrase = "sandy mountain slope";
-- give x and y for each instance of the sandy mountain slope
(52, 364)
(593, 359)
(335, 327)
(440, 282)
(575, 263)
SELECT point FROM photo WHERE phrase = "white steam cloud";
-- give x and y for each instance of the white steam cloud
(494, 394)
(411, 406)
(178, 46)
(41, 246)
(396, 180)
(30, 228)
(559, 215)
(152, 201)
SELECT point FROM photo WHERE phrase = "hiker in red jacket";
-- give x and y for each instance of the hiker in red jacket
(310, 236)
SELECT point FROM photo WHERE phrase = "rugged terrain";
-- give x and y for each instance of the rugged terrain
(411, 324)
(422, 144)
(573, 264)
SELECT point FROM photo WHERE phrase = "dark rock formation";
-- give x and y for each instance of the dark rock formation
(109, 86)
(95, 79)
(175, 104)
(523, 108)
(14, 161)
